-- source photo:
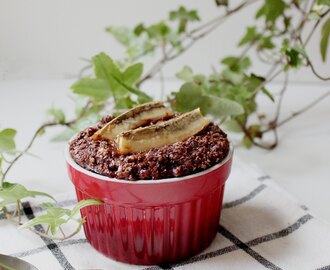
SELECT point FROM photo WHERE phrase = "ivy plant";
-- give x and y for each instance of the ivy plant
(278, 37)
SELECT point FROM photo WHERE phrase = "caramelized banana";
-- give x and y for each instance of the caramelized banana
(167, 132)
(134, 118)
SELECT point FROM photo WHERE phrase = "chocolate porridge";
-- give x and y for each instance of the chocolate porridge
(197, 153)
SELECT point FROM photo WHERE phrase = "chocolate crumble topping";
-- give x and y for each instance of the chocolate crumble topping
(199, 152)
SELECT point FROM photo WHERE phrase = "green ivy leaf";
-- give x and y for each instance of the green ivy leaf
(199, 79)
(133, 73)
(104, 68)
(55, 211)
(120, 83)
(247, 142)
(53, 222)
(233, 77)
(142, 97)
(192, 96)
(82, 204)
(56, 216)
(293, 57)
(188, 97)
(252, 82)
(300, 50)
(232, 125)
(13, 192)
(122, 34)
(57, 114)
(287, 22)
(125, 102)
(272, 10)
(325, 36)
(139, 29)
(221, 107)
(314, 15)
(90, 117)
(186, 74)
(96, 89)
(183, 16)
(135, 41)
(255, 131)
(237, 64)
(221, 3)
(285, 45)
(323, 2)
(250, 36)
(175, 40)
(158, 30)
(266, 43)
(42, 132)
(267, 93)
(7, 140)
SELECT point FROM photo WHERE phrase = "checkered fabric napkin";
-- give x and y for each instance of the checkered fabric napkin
(261, 227)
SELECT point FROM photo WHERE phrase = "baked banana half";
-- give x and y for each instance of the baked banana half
(162, 133)
(132, 119)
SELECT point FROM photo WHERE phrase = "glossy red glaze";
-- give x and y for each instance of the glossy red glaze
(153, 221)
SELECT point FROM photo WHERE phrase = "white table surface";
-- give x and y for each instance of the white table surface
(300, 163)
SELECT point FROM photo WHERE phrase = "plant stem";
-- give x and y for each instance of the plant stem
(311, 33)
(172, 54)
(269, 77)
(309, 63)
(77, 230)
(37, 132)
(18, 208)
(35, 135)
(254, 142)
(297, 32)
(276, 124)
(315, 27)
(4, 159)
(279, 105)
(304, 109)
(272, 126)
(46, 235)
(61, 230)
(216, 20)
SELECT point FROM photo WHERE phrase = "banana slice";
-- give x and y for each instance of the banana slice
(134, 118)
(167, 132)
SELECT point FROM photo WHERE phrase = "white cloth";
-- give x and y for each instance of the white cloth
(261, 226)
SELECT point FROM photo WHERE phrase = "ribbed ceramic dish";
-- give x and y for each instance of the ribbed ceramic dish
(151, 221)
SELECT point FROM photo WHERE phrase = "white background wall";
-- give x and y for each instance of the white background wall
(44, 39)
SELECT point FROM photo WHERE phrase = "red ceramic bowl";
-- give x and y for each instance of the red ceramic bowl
(151, 221)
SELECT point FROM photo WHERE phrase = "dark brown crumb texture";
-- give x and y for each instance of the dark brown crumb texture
(199, 152)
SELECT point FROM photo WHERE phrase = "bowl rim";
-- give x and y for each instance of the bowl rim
(77, 167)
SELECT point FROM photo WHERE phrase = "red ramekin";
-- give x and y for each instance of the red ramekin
(151, 221)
